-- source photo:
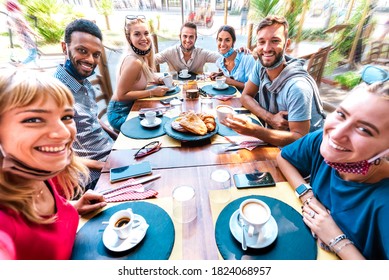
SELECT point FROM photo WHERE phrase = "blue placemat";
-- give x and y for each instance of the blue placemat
(294, 240)
(226, 131)
(133, 129)
(156, 245)
(169, 93)
(211, 91)
(182, 136)
(173, 92)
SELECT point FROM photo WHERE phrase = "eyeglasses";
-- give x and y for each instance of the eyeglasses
(148, 149)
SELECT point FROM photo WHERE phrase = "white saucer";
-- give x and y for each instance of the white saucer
(115, 244)
(184, 76)
(173, 88)
(146, 124)
(220, 88)
(262, 240)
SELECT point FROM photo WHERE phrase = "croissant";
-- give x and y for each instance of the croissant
(209, 121)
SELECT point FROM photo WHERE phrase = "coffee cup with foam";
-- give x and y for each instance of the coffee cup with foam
(255, 214)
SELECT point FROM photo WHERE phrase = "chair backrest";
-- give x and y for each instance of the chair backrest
(317, 62)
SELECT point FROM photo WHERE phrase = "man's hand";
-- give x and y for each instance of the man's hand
(278, 121)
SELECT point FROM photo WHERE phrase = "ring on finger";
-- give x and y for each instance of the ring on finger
(312, 214)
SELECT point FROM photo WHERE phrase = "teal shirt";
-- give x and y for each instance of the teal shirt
(361, 210)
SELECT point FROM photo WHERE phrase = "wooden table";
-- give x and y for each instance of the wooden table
(191, 164)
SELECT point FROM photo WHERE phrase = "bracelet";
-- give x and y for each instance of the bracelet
(336, 240)
(349, 242)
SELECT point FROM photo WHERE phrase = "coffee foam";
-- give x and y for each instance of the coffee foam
(255, 213)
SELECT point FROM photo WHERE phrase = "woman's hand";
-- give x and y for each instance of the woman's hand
(159, 91)
(213, 75)
(90, 201)
(320, 221)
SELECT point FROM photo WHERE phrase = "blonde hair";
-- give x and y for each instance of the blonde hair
(20, 88)
(149, 67)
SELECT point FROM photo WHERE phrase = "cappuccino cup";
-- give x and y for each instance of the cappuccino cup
(122, 222)
(168, 80)
(184, 72)
(150, 117)
(255, 214)
(224, 111)
(220, 82)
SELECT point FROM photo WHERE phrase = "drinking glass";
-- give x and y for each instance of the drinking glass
(184, 204)
(221, 180)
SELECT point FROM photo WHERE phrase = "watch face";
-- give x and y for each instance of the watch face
(300, 189)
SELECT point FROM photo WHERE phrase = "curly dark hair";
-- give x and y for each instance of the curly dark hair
(82, 25)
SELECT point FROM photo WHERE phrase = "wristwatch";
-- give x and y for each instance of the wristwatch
(302, 189)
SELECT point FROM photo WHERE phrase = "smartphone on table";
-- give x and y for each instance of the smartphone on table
(130, 171)
(167, 100)
(254, 180)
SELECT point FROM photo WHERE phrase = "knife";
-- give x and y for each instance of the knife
(138, 181)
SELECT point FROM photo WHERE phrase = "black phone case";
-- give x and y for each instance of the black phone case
(251, 181)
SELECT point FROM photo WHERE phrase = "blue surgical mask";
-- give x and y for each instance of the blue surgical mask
(229, 53)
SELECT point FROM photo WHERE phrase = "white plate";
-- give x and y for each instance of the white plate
(184, 76)
(115, 244)
(220, 88)
(173, 88)
(157, 122)
(262, 240)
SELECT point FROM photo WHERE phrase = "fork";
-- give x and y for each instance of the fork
(121, 191)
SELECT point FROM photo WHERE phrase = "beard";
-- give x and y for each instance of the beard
(276, 62)
(73, 67)
(187, 50)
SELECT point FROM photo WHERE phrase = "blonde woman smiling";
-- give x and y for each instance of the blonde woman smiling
(135, 73)
(39, 170)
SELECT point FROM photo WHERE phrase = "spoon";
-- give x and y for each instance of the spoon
(241, 223)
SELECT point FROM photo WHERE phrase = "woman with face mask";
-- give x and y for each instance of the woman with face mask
(235, 66)
(39, 171)
(346, 204)
(135, 73)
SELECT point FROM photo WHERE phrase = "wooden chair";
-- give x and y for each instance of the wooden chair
(316, 64)
(103, 88)
(379, 53)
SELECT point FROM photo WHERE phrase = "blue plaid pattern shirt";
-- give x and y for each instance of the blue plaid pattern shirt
(92, 141)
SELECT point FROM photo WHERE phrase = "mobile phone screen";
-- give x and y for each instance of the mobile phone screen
(254, 180)
(130, 171)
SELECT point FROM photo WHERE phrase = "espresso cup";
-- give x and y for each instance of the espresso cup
(220, 82)
(255, 213)
(184, 72)
(150, 117)
(168, 80)
(224, 111)
(122, 222)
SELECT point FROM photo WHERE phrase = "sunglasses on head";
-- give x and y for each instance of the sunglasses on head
(134, 17)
